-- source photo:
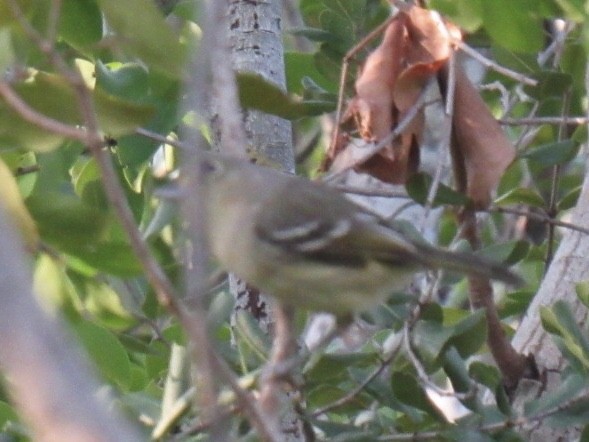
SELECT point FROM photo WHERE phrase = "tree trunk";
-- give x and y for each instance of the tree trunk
(569, 267)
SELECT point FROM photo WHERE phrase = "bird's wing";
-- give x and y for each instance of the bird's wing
(330, 230)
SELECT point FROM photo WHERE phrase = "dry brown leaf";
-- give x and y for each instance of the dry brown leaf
(481, 149)
(372, 107)
(416, 44)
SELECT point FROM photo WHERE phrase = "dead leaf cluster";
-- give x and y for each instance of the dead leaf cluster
(417, 46)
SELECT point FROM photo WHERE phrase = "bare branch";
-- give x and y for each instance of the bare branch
(538, 121)
(496, 67)
(32, 116)
(48, 378)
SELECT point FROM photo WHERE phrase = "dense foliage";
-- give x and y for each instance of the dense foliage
(132, 56)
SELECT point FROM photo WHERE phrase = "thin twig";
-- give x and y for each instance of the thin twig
(538, 121)
(552, 210)
(444, 149)
(371, 191)
(92, 139)
(344, 74)
(421, 373)
(52, 23)
(392, 354)
(95, 143)
(496, 67)
(360, 387)
(518, 422)
(371, 150)
(537, 216)
(162, 138)
(25, 170)
(42, 121)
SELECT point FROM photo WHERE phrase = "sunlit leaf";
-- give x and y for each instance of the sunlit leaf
(582, 290)
(13, 204)
(521, 195)
(408, 391)
(142, 30)
(257, 93)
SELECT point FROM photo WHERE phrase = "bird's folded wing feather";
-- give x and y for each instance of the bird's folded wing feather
(335, 231)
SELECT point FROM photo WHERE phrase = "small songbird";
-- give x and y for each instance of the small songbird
(309, 246)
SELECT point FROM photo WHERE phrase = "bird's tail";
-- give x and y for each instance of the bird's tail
(470, 264)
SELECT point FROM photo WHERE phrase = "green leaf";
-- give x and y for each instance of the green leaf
(65, 220)
(550, 84)
(485, 374)
(516, 303)
(48, 94)
(429, 338)
(257, 93)
(298, 67)
(7, 55)
(468, 14)
(466, 435)
(6, 14)
(324, 394)
(343, 432)
(129, 81)
(549, 320)
(119, 117)
(134, 150)
(469, 334)
(334, 367)
(568, 389)
(552, 154)
(573, 415)
(455, 368)
(12, 201)
(114, 257)
(80, 22)
(343, 20)
(521, 195)
(418, 188)
(248, 331)
(574, 9)
(142, 30)
(560, 320)
(106, 351)
(407, 389)
(314, 34)
(514, 25)
(569, 200)
(7, 414)
(165, 212)
(139, 379)
(83, 172)
(582, 290)
(509, 252)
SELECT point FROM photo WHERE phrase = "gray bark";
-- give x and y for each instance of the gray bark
(569, 267)
(255, 36)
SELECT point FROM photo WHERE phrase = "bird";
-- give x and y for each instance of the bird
(310, 247)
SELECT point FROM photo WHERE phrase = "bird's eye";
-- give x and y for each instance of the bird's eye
(209, 166)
